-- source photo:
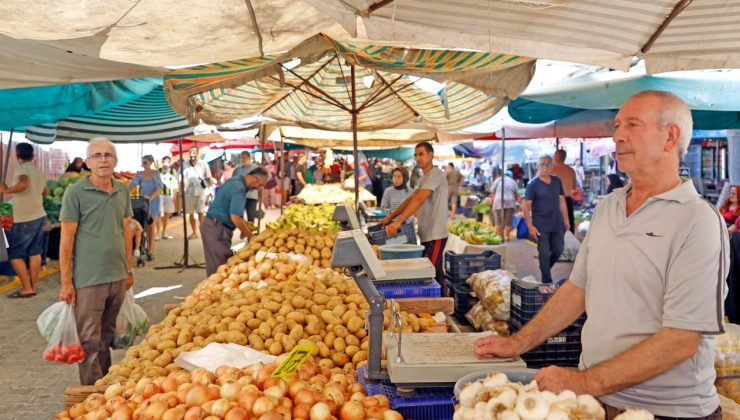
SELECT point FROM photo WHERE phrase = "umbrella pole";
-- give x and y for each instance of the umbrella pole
(7, 160)
(184, 261)
(283, 191)
(354, 141)
(259, 204)
(503, 180)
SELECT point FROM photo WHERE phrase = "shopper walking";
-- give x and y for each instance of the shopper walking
(29, 217)
(507, 186)
(170, 188)
(301, 174)
(253, 196)
(454, 181)
(430, 201)
(150, 187)
(650, 275)
(397, 193)
(546, 215)
(226, 214)
(197, 180)
(569, 180)
(95, 256)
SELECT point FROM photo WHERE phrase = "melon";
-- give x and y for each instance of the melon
(51, 184)
(63, 182)
(58, 191)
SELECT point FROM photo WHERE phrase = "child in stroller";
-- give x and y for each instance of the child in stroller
(140, 208)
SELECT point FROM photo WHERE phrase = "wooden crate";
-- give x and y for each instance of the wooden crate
(77, 394)
(428, 305)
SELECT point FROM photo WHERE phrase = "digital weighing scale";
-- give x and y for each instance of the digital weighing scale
(413, 359)
(346, 216)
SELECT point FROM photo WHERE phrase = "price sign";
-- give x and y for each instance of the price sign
(295, 359)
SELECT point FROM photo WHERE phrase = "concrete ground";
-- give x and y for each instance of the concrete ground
(34, 388)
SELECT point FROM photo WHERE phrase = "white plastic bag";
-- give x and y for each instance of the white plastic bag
(48, 320)
(132, 321)
(63, 345)
(214, 355)
(572, 245)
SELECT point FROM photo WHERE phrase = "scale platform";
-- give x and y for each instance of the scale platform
(420, 269)
(437, 359)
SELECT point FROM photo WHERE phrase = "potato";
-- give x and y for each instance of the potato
(296, 332)
(244, 316)
(347, 315)
(327, 363)
(339, 310)
(298, 302)
(254, 323)
(276, 348)
(339, 344)
(162, 360)
(264, 331)
(237, 326)
(360, 356)
(150, 355)
(263, 314)
(324, 350)
(351, 350)
(271, 306)
(237, 337)
(351, 340)
(355, 323)
(167, 344)
(340, 359)
(288, 343)
(330, 318)
(329, 338)
(297, 317)
(231, 312)
(320, 299)
(313, 328)
(221, 327)
(414, 322)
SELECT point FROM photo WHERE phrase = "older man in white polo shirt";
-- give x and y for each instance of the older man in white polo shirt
(650, 275)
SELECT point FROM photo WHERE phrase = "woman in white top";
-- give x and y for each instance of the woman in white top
(397, 193)
(510, 198)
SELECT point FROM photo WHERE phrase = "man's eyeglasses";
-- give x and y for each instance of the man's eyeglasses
(100, 156)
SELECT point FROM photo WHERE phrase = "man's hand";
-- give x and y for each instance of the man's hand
(556, 379)
(67, 293)
(567, 225)
(386, 220)
(533, 232)
(496, 346)
(392, 229)
(129, 281)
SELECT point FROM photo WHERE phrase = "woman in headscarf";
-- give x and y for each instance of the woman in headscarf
(398, 192)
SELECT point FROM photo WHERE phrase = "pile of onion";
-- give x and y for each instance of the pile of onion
(311, 393)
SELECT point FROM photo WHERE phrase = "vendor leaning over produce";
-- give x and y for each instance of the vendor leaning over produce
(650, 276)
(95, 256)
(430, 200)
(226, 214)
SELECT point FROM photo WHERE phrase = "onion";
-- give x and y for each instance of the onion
(168, 384)
(155, 410)
(197, 396)
(319, 381)
(326, 372)
(295, 387)
(214, 392)
(237, 413)
(99, 414)
(275, 391)
(357, 396)
(113, 390)
(229, 390)
(355, 387)
(220, 407)
(320, 411)
(383, 400)
(392, 415)
(262, 375)
(77, 410)
(352, 410)
(123, 412)
(246, 399)
(369, 402)
(93, 402)
(175, 413)
(195, 413)
(151, 389)
(375, 412)
(305, 396)
(306, 371)
(264, 405)
(301, 411)
(340, 378)
(181, 376)
(112, 404)
(335, 393)
(273, 416)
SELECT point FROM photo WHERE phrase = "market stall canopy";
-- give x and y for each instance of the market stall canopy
(311, 86)
(145, 119)
(338, 139)
(24, 107)
(155, 33)
(670, 35)
(713, 96)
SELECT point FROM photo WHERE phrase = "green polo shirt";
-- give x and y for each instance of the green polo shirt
(99, 253)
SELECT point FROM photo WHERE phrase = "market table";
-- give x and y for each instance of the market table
(460, 246)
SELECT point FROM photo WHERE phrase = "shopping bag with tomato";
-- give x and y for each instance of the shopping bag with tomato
(64, 343)
(132, 321)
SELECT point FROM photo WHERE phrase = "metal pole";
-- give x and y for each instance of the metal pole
(354, 141)
(184, 213)
(262, 135)
(503, 180)
(7, 161)
(283, 193)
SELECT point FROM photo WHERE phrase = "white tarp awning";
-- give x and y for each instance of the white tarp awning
(672, 36)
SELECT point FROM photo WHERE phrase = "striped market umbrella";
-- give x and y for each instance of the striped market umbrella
(148, 118)
(351, 86)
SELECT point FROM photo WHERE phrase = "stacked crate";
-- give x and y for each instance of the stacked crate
(458, 267)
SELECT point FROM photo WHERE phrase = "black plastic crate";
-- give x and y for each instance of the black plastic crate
(517, 321)
(458, 267)
(526, 301)
(406, 235)
(563, 349)
(461, 293)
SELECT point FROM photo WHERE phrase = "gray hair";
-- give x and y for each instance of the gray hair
(674, 111)
(100, 140)
(547, 158)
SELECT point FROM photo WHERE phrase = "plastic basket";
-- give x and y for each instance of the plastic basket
(563, 349)
(422, 404)
(461, 293)
(406, 235)
(468, 212)
(528, 299)
(458, 267)
(409, 289)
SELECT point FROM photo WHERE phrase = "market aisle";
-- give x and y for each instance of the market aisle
(523, 254)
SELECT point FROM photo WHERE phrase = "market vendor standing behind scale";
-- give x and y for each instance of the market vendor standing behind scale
(650, 275)
(430, 200)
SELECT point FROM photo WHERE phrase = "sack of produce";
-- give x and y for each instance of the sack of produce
(481, 319)
(727, 352)
(64, 343)
(493, 288)
(48, 320)
(132, 321)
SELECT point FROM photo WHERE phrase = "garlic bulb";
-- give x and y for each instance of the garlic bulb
(531, 406)
(557, 415)
(469, 394)
(635, 414)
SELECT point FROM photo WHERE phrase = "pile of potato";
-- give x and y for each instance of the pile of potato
(317, 246)
(317, 305)
(312, 392)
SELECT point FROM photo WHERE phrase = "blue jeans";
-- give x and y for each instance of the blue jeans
(549, 247)
(27, 239)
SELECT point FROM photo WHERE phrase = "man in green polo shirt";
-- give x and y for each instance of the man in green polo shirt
(226, 214)
(96, 256)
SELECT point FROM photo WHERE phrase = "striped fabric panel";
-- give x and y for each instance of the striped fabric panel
(146, 119)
